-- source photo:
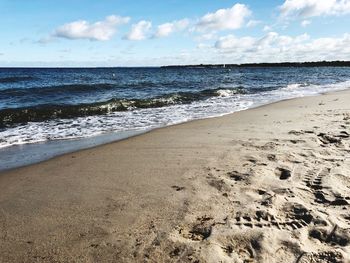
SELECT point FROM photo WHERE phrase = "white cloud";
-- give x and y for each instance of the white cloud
(267, 28)
(206, 37)
(312, 8)
(233, 43)
(305, 23)
(253, 23)
(223, 19)
(203, 46)
(139, 31)
(274, 48)
(270, 40)
(81, 29)
(166, 29)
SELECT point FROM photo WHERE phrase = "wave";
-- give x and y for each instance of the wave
(19, 116)
(119, 122)
(313, 89)
(78, 88)
(69, 88)
(82, 88)
(15, 79)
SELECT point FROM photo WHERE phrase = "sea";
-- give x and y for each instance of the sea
(45, 112)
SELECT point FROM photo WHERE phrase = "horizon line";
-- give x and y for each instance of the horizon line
(346, 62)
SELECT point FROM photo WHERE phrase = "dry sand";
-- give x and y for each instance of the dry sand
(270, 184)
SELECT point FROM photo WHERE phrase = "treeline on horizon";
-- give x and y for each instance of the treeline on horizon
(280, 64)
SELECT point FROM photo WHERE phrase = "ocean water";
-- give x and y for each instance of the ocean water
(53, 106)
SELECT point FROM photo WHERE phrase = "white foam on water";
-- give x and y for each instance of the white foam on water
(225, 92)
(145, 119)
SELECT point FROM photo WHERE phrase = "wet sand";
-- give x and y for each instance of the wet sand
(270, 184)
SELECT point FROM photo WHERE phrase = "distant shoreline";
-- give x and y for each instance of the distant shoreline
(281, 64)
(265, 64)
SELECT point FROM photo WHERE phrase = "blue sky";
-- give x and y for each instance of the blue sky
(153, 33)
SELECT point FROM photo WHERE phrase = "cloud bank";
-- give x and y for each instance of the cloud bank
(99, 31)
(224, 19)
(166, 29)
(275, 47)
(139, 31)
(211, 37)
(312, 8)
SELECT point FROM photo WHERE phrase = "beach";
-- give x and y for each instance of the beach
(269, 184)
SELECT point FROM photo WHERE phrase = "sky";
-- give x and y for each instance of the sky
(91, 33)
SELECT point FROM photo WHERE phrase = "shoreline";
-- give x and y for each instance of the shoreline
(86, 143)
(182, 193)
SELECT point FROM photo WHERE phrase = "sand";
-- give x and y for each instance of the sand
(270, 184)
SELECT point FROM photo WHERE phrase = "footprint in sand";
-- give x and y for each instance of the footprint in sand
(237, 176)
(325, 256)
(298, 217)
(315, 183)
(200, 230)
(329, 139)
(337, 236)
(283, 173)
(178, 188)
